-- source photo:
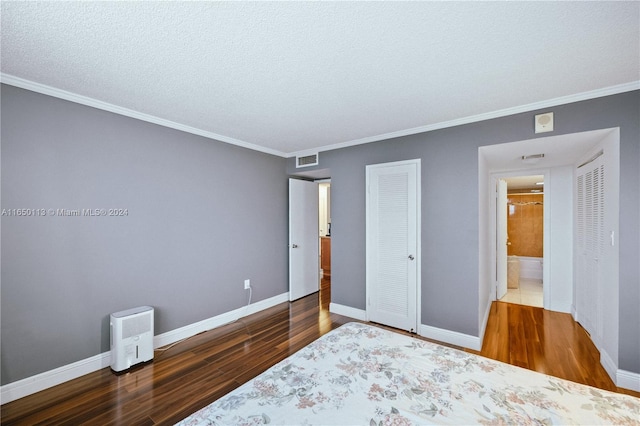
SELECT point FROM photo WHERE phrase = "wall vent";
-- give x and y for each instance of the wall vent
(307, 160)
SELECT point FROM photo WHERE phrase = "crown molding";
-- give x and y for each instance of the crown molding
(95, 103)
(105, 106)
(606, 91)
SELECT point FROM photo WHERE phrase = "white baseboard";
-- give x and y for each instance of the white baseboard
(427, 331)
(622, 378)
(30, 385)
(628, 380)
(451, 337)
(348, 311)
(484, 321)
(564, 307)
(217, 321)
(609, 366)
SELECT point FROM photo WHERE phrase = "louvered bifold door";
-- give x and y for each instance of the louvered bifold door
(590, 240)
(392, 244)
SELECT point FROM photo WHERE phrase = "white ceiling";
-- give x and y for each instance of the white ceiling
(505, 160)
(291, 77)
(559, 150)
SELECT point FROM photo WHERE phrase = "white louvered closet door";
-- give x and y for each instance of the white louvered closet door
(590, 241)
(392, 244)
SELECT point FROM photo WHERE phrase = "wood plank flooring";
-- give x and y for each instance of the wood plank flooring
(189, 375)
(544, 341)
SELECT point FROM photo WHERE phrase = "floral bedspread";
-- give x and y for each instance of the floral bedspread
(363, 375)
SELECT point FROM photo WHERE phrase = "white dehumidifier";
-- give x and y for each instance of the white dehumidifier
(131, 337)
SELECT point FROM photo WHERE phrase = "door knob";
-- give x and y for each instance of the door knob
(294, 246)
(411, 257)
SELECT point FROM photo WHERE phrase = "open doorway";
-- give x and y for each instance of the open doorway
(324, 233)
(561, 154)
(569, 284)
(317, 221)
(524, 240)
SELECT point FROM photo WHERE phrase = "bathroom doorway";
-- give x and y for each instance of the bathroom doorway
(525, 240)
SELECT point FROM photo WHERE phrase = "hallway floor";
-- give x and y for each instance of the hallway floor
(529, 293)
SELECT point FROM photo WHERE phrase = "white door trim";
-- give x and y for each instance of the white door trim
(501, 202)
(547, 282)
(418, 243)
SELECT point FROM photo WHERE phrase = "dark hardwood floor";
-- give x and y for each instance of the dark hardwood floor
(191, 374)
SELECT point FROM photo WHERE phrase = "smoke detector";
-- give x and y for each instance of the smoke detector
(544, 122)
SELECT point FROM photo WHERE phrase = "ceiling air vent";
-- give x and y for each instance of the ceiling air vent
(307, 160)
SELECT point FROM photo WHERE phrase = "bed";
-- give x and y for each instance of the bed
(359, 374)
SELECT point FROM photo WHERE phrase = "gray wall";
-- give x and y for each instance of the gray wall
(450, 211)
(202, 216)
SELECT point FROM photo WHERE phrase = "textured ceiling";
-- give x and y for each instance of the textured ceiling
(288, 77)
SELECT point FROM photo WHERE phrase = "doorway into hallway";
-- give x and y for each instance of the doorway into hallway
(569, 218)
(324, 234)
(525, 228)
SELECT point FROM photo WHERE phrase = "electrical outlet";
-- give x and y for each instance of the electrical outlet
(247, 284)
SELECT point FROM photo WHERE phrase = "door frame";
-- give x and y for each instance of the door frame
(546, 280)
(417, 162)
(502, 201)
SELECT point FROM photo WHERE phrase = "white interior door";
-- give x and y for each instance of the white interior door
(393, 256)
(501, 239)
(590, 239)
(597, 255)
(303, 238)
